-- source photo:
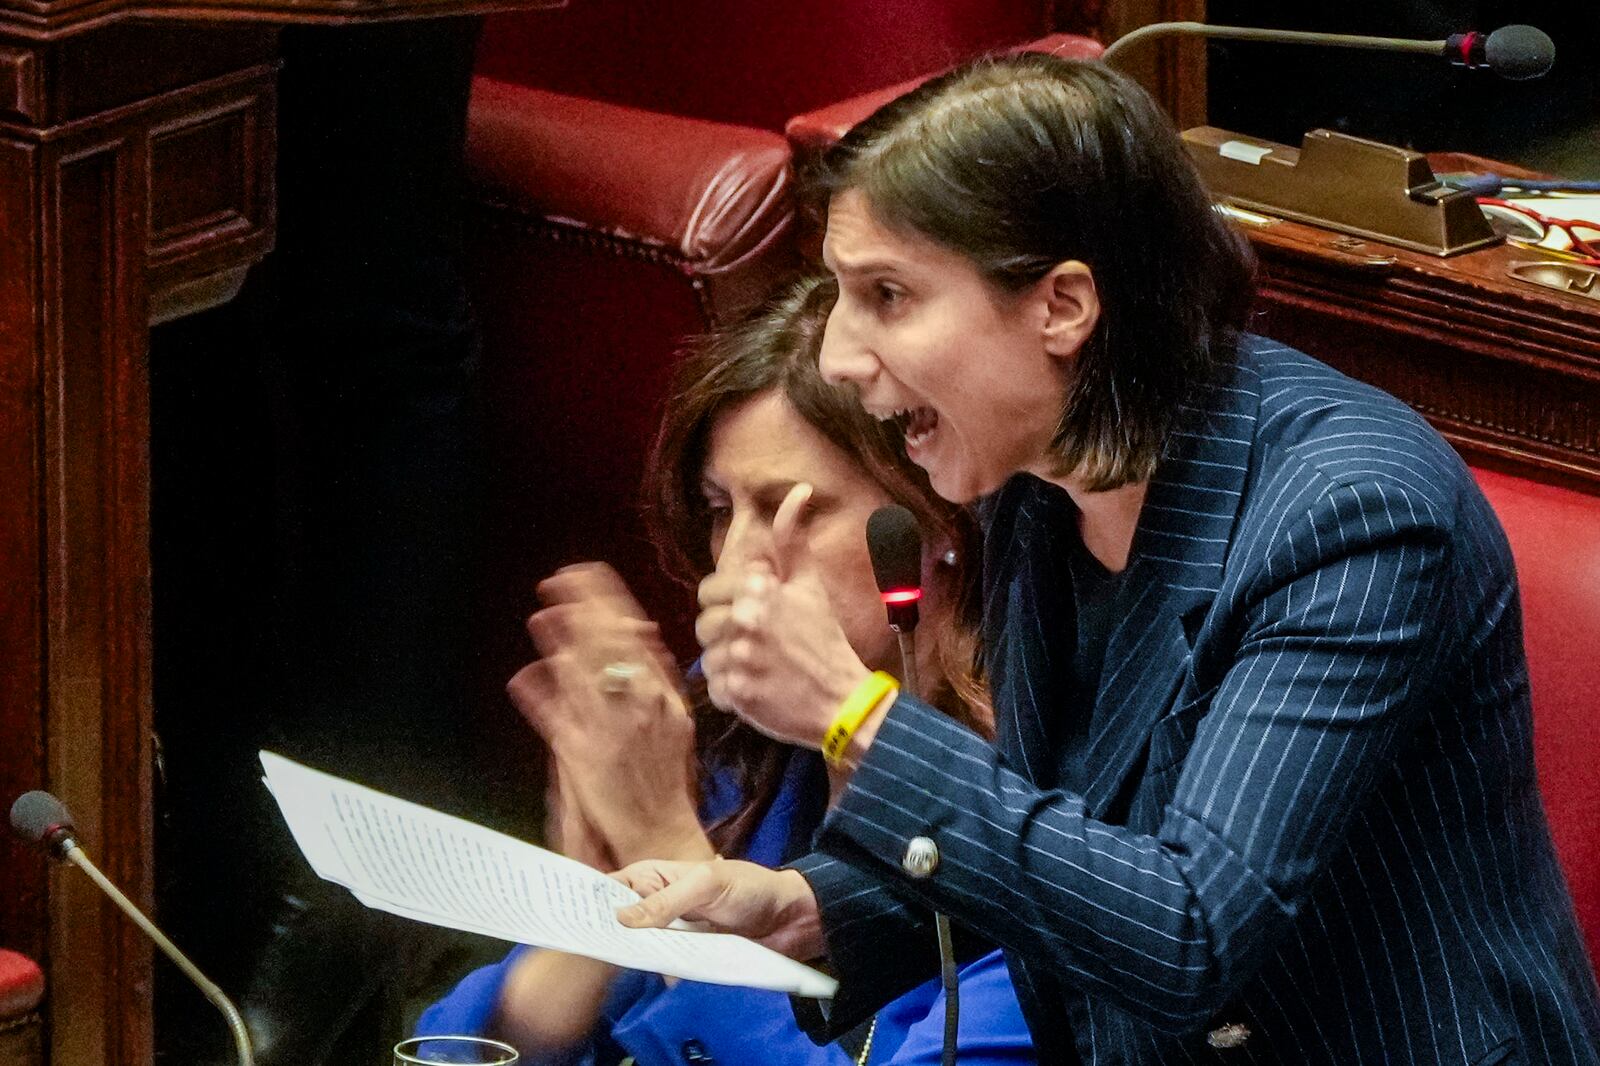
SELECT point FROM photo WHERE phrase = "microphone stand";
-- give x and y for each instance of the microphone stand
(895, 546)
(1250, 33)
(1339, 182)
(908, 661)
(70, 852)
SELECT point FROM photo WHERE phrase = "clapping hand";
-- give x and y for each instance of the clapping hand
(567, 829)
(604, 696)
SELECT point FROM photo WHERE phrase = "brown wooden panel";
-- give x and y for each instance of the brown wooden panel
(50, 83)
(126, 64)
(98, 712)
(1174, 71)
(85, 247)
(1545, 416)
(22, 871)
(198, 179)
(1506, 370)
(211, 180)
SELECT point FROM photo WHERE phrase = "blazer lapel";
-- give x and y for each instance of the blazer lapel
(1179, 548)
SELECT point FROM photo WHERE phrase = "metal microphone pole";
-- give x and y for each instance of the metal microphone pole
(894, 544)
(1515, 52)
(43, 820)
(908, 662)
(241, 1036)
(1251, 33)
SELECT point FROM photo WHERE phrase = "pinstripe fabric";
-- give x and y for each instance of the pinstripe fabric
(1311, 810)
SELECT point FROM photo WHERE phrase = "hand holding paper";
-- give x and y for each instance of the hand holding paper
(409, 860)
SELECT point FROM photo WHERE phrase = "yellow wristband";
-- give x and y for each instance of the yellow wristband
(853, 711)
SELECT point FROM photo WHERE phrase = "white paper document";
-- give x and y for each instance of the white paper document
(412, 861)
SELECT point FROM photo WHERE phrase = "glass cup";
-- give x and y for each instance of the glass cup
(442, 1050)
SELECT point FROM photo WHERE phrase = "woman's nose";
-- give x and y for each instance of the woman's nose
(843, 358)
(745, 541)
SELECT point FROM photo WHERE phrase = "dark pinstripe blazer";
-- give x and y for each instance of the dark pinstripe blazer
(1308, 824)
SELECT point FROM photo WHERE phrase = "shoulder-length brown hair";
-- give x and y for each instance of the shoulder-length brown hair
(1025, 161)
(775, 350)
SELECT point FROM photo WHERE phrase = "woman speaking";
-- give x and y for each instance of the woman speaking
(1262, 785)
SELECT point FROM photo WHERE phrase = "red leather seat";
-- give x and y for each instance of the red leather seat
(747, 62)
(813, 131)
(1555, 537)
(21, 989)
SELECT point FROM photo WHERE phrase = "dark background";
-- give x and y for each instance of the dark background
(1281, 91)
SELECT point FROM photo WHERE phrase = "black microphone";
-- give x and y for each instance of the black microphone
(1514, 52)
(40, 818)
(895, 544)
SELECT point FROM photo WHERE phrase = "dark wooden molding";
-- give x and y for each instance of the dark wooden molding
(20, 88)
(1508, 371)
(94, 421)
(43, 20)
(210, 178)
(105, 218)
(24, 914)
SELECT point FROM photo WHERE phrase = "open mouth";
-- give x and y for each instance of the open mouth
(917, 425)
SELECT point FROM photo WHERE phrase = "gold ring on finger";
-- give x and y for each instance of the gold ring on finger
(616, 678)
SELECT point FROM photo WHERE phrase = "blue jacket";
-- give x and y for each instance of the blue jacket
(1304, 825)
(692, 1022)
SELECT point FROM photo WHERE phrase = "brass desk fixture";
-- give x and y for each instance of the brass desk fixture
(1342, 183)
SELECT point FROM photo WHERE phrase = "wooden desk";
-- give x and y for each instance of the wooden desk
(136, 185)
(1508, 371)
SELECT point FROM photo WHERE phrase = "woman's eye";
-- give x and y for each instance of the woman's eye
(887, 294)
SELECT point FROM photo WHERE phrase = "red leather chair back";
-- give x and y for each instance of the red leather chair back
(1555, 537)
(602, 237)
(748, 62)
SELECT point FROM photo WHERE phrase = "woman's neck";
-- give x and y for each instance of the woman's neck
(1107, 520)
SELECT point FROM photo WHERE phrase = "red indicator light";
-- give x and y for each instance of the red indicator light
(902, 596)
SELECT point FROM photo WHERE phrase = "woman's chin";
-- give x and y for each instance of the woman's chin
(953, 484)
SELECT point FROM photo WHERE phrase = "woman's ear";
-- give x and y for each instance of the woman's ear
(1072, 307)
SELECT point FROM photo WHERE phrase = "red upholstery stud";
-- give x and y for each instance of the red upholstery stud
(21, 985)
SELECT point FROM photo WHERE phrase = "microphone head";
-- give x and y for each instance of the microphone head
(44, 820)
(1520, 52)
(895, 544)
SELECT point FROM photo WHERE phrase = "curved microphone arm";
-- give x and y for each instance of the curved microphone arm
(1249, 33)
(241, 1036)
